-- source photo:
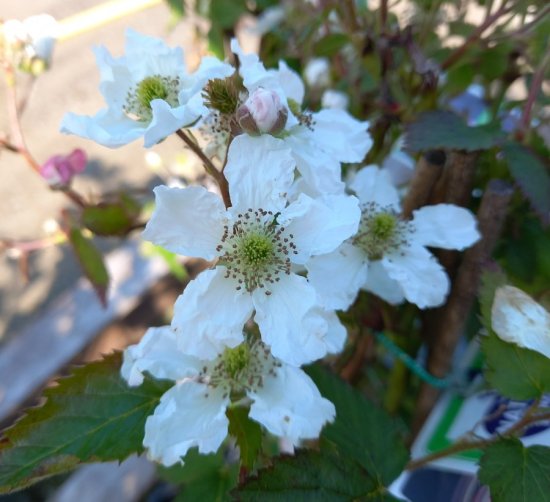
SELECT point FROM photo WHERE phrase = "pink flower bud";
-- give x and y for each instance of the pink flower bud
(262, 112)
(59, 170)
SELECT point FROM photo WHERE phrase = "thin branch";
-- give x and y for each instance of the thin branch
(527, 419)
(15, 124)
(534, 90)
(476, 35)
(209, 166)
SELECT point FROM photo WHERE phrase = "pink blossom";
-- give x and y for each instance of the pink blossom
(59, 170)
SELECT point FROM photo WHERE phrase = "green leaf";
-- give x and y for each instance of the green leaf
(361, 431)
(515, 473)
(248, 434)
(91, 261)
(172, 260)
(108, 219)
(330, 44)
(177, 8)
(442, 129)
(203, 477)
(532, 176)
(515, 372)
(311, 476)
(226, 13)
(90, 416)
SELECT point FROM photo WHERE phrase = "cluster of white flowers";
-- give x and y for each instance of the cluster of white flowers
(293, 246)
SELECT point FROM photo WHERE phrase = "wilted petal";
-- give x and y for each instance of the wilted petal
(517, 318)
(189, 414)
(289, 405)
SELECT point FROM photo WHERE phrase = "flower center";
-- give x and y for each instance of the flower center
(236, 360)
(380, 231)
(241, 369)
(256, 250)
(138, 99)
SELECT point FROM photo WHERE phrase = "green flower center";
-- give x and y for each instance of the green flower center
(236, 360)
(240, 369)
(380, 231)
(150, 88)
(138, 99)
(256, 250)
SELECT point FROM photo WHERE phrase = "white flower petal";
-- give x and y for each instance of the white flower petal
(259, 171)
(335, 338)
(176, 227)
(289, 405)
(379, 283)
(322, 173)
(444, 226)
(340, 135)
(189, 414)
(374, 185)
(422, 278)
(289, 322)
(290, 82)
(517, 318)
(157, 353)
(167, 120)
(251, 68)
(210, 314)
(338, 276)
(320, 225)
(107, 129)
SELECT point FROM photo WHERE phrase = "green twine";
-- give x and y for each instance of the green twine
(409, 362)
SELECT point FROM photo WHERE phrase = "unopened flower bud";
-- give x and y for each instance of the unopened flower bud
(29, 43)
(262, 112)
(59, 170)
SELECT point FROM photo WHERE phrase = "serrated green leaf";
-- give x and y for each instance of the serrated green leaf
(248, 434)
(91, 261)
(91, 415)
(515, 372)
(515, 473)
(490, 282)
(361, 431)
(203, 477)
(172, 260)
(442, 129)
(312, 476)
(330, 44)
(532, 176)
